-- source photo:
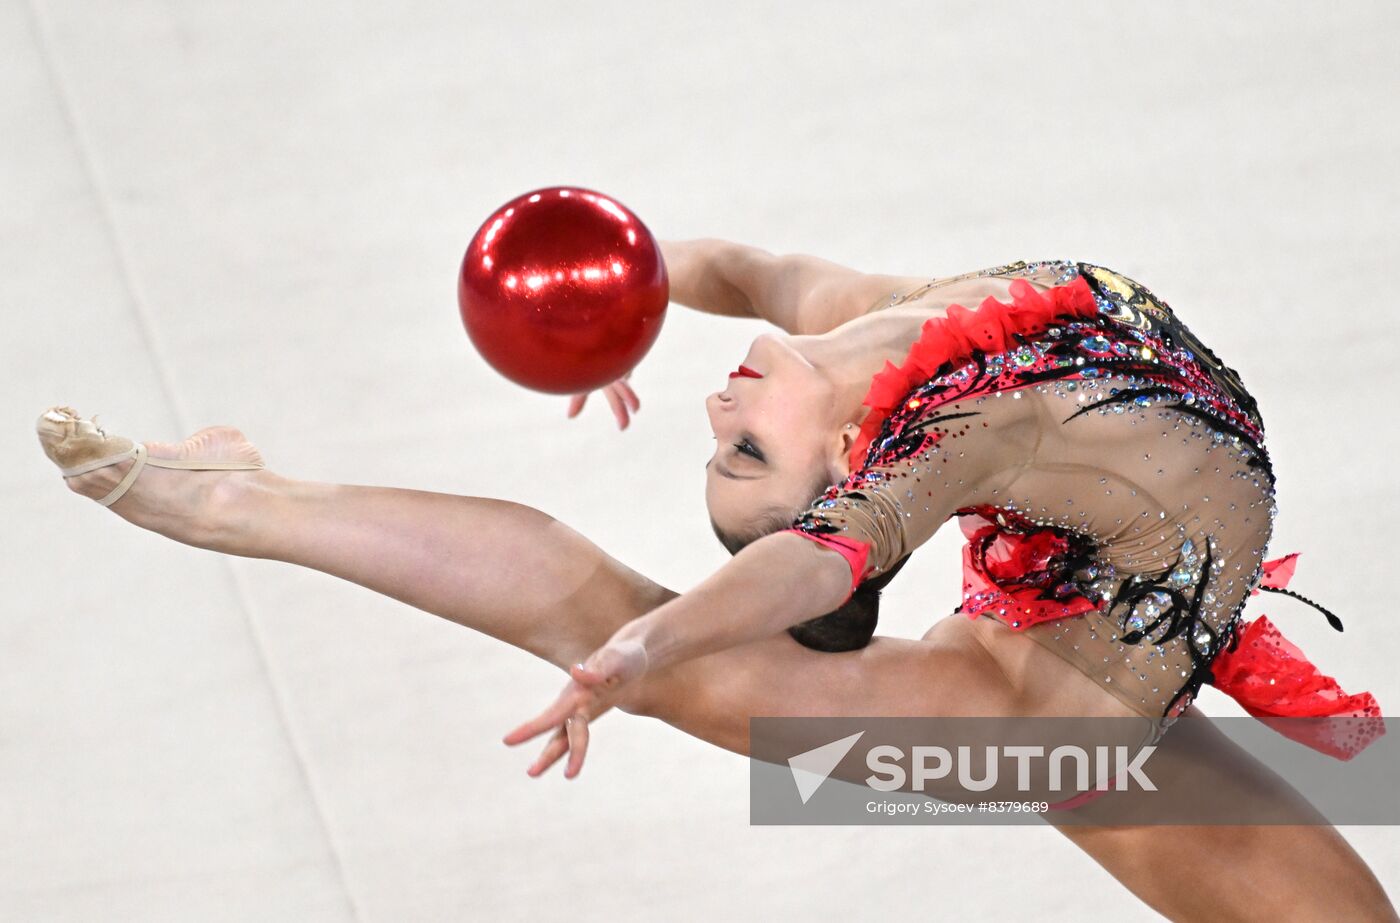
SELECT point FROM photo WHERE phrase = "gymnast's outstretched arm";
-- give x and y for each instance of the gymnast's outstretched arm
(799, 293)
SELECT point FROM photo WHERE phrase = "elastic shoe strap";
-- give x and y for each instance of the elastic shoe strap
(126, 482)
(142, 456)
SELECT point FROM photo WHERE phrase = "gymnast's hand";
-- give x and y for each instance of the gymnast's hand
(621, 398)
(593, 688)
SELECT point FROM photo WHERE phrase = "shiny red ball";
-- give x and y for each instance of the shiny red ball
(563, 290)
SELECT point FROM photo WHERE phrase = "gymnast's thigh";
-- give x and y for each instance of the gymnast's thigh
(1039, 682)
(713, 697)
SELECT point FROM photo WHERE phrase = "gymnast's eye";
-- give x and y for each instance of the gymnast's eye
(746, 447)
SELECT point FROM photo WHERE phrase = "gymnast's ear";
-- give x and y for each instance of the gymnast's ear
(839, 461)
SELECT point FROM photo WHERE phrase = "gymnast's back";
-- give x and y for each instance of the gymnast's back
(1108, 471)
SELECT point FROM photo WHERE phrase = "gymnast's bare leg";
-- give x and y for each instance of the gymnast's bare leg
(520, 576)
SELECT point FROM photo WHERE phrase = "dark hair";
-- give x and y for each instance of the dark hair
(847, 628)
(851, 626)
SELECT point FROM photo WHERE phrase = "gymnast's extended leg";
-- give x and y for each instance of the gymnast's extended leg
(504, 569)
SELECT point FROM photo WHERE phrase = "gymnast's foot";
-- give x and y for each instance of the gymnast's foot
(174, 493)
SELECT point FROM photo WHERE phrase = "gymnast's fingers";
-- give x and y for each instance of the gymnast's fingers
(553, 716)
(619, 409)
(576, 404)
(558, 745)
(629, 395)
(577, 728)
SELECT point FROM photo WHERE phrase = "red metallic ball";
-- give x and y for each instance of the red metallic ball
(563, 290)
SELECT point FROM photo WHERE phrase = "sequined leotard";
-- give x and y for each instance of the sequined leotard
(1109, 472)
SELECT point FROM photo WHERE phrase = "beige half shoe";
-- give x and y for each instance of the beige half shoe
(78, 446)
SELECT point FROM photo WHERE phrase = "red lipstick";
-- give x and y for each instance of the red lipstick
(745, 372)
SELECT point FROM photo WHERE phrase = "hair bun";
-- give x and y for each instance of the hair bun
(850, 627)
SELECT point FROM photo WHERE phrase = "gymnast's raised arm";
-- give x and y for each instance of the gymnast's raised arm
(801, 294)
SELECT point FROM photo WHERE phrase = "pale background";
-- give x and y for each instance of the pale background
(252, 213)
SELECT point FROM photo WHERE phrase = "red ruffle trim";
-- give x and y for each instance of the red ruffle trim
(992, 328)
(1275, 682)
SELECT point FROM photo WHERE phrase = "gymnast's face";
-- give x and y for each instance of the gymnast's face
(777, 440)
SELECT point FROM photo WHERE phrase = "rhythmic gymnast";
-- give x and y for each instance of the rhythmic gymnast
(1109, 472)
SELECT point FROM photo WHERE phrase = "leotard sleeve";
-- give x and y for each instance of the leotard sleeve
(927, 465)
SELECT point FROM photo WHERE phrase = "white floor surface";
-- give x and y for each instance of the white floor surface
(252, 213)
